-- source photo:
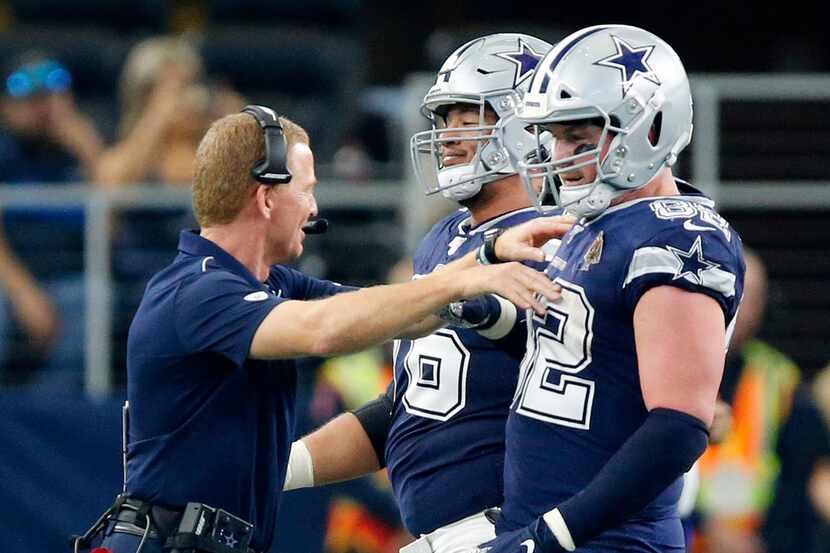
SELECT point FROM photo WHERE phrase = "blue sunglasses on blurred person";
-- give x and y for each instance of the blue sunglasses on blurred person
(43, 77)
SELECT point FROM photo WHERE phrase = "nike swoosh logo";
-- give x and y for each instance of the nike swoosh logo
(689, 225)
(256, 296)
(530, 544)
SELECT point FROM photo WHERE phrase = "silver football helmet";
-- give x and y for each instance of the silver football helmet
(485, 72)
(630, 81)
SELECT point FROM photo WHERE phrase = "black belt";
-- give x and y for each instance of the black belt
(164, 523)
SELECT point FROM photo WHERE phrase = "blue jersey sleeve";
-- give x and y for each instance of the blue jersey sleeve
(709, 262)
(304, 287)
(219, 312)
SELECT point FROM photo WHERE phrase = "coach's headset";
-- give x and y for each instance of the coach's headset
(273, 168)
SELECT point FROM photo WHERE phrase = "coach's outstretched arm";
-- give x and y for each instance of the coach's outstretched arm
(354, 321)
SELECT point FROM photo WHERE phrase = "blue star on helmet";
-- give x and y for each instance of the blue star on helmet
(525, 58)
(631, 62)
(691, 264)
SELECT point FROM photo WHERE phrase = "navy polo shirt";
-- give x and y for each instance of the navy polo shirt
(208, 424)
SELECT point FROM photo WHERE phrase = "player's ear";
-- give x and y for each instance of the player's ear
(264, 200)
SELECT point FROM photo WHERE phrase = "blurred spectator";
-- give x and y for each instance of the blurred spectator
(44, 139)
(799, 517)
(28, 304)
(738, 474)
(166, 106)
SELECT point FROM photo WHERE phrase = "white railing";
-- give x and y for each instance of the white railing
(708, 92)
(98, 207)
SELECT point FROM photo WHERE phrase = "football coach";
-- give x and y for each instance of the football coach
(211, 352)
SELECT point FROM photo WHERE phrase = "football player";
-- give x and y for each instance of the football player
(618, 385)
(440, 427)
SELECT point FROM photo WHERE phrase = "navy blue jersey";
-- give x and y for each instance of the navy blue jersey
(579, 397)
(452, 392)
(207, 423)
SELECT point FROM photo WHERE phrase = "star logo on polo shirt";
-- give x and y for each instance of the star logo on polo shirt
(692, 264)
(631, 62)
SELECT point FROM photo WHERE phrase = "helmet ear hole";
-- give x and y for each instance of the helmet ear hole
(656, 127)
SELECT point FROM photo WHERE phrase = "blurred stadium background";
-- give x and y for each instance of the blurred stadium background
(352, 72)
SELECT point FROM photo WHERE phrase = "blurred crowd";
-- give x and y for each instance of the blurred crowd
(166, 101)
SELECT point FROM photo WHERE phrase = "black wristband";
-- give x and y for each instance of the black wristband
(487, 252)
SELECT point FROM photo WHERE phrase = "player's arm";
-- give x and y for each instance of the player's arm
(680, 338)
(349, 446)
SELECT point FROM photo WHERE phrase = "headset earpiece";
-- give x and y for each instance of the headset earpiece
(273, 168)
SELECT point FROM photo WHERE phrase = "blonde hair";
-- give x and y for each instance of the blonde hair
(144, 65)
(222, 180)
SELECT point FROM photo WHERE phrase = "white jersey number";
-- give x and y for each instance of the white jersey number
(558, 349)
(437, 369)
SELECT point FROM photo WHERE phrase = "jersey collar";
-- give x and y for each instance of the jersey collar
(464, 227)
(687, 192)
(192, 243)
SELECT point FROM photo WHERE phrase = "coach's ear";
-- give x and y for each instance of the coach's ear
(264, 200)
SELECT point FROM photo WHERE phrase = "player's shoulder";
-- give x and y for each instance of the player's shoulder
(683, 239)
(688, 215)
(448, 224)
(441, 233)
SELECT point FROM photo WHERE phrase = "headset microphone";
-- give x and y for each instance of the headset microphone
(317, 226)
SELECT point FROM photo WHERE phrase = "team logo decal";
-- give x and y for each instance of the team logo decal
(631, 62)
(692, 265)
(525, 58)
(594, 253)
(452, 64)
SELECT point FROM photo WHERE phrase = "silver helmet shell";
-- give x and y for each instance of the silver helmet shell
(633, 82)
(485, 72)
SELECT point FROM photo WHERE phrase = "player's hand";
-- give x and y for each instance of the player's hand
(534, 538)
(523, 242)
(517, 283)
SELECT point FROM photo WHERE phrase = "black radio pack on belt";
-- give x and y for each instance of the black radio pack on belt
(205, 529)
(201, 528)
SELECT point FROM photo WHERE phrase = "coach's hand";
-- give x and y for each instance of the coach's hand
(525, 287)
(523, 242)
(534, 538)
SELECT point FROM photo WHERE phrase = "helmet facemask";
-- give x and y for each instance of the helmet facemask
(463, 180)
(483, 74)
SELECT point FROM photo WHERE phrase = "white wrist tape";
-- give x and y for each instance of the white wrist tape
(300, 473)
(505, 322)
(559, 529)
